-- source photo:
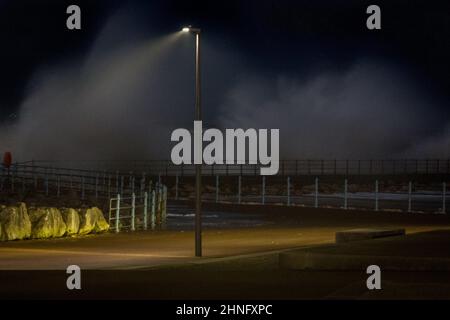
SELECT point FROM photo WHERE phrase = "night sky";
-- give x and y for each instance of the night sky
(293, 46)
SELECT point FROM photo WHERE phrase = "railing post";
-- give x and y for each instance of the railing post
(163, 207)
(122, 181)
(12, 179)
(32, 172)
(142, 185)
(239, 189)
(46, 182)
(376, 195)
(109, 185)
(444, 191)
(316, 193)
(409, 196)
(288, 191)
(130, 181)
(345, 194)
(176, 187)
(158, 204)
(153, 214)
(118, 214)
(133, 211)
(35, 181)
(82, 188)
(263, 190)
(217, 188)
(58, 186)
(150, 186)
(96, 186)
(145, 210)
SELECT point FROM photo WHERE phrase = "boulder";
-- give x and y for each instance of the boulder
(71, 219)
(101, 224)
(92, 220)
(47, 223)
(15, 223)
(87, 221)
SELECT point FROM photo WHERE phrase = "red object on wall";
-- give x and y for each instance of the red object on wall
(7, 159)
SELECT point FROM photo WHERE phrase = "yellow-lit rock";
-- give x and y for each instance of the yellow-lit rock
(15, 223)
(92, 220)
(71, 219)
(47, 223)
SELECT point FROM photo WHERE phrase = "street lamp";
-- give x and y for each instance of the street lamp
(198, 167)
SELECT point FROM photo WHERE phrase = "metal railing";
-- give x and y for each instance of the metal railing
(133, 212)
(22, 177)
(367, 194)
(299, 167)
(292, 190)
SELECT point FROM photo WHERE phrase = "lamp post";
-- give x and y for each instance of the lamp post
(198, 167)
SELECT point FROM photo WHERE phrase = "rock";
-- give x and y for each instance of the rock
(15, 223)
(71, 219)
(47, 223)
(92, 220)
(101, 224)
(87, 221)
